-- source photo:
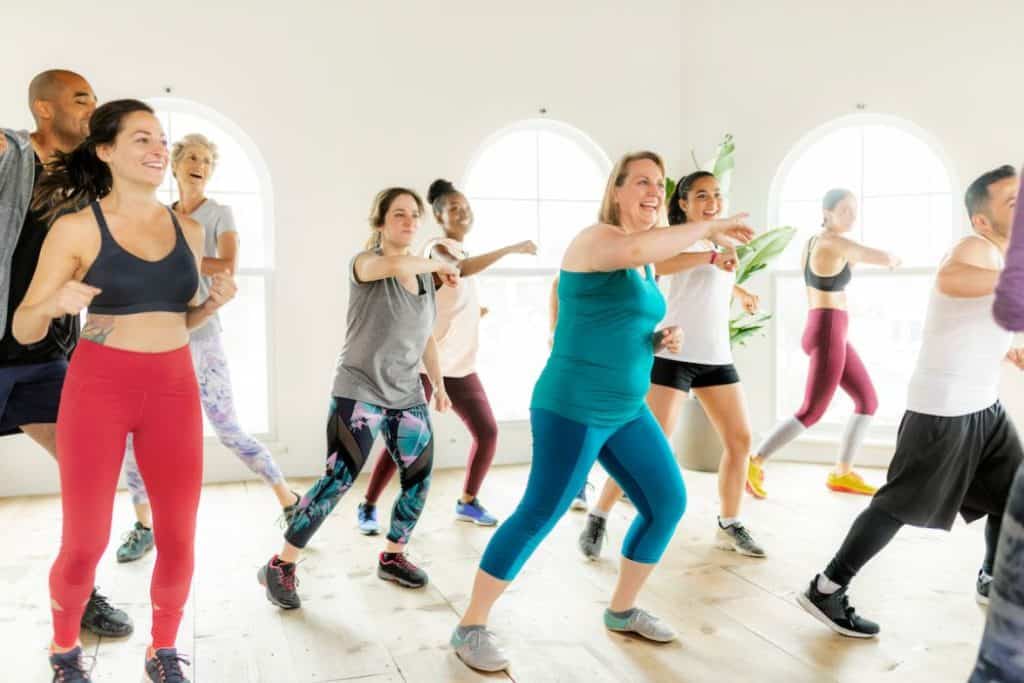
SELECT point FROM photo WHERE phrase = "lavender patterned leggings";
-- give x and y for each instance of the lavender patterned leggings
(211, 366)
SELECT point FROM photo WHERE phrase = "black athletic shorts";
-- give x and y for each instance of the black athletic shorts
(30, 394)
(684, 376)
(946, 465)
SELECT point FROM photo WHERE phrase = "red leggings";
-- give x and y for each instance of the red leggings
(109, 393)
(834, 364)
(469, 401)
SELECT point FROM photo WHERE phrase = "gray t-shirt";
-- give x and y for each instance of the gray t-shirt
(217, 220)
(388, 329)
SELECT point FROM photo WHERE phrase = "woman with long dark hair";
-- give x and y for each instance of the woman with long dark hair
(135, 266)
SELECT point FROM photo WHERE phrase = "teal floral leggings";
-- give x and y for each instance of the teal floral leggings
(352, 427)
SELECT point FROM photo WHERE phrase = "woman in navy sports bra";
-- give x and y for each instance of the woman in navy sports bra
(134, 265)
(833, 361)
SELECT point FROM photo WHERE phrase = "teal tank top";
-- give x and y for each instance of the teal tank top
(599, 370)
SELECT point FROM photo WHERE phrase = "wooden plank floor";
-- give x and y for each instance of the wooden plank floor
(736, 616)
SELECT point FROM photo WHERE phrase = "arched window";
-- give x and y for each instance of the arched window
(240, 181)
(537, 180)
(907, 204)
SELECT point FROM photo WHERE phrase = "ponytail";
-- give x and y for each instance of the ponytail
(71, 181)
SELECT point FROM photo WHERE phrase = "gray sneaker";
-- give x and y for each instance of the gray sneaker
(478, 648)
(642, 623)
(592, 537)
(736, 537)
(137, 543)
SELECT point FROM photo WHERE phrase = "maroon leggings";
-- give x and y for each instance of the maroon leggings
(834, 364)
(469, 401)
(108, 394)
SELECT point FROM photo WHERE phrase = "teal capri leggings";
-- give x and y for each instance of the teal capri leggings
(635, 454)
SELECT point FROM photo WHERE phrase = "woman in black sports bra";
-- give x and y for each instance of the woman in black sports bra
(135, 266)
(833, 361)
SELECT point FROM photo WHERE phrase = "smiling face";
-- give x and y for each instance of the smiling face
(641, 195)
(401, 222)
(703, 200)
(138, 154)
(456, 216)
(64, 106)
(193, 169)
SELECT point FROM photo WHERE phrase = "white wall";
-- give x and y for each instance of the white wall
(345, 98)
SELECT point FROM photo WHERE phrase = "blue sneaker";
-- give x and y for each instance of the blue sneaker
(580, 501)
(368, 524)
(474, 512)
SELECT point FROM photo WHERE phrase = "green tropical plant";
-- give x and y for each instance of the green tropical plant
(754, 256)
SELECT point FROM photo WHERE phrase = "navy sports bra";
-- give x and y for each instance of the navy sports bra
(832, 283)
(134, 285)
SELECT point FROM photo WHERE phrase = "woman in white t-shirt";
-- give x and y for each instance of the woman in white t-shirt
(457, 333)
(701, 287)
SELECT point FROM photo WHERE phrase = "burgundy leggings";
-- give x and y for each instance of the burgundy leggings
(469, 401)
(108, 394)
(834, 364)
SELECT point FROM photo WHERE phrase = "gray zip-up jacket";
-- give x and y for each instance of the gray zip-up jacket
(17, 173)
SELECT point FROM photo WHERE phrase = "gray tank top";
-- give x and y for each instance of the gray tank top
(388, 329)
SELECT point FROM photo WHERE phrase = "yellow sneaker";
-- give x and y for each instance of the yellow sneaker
(755, 480)
(850, 483)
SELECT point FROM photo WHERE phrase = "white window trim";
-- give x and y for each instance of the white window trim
(827, 430)
(178, 105)
(584, 142)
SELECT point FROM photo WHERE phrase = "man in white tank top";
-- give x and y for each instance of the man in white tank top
(957, 451)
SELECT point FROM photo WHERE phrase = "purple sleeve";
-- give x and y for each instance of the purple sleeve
(1008, 308)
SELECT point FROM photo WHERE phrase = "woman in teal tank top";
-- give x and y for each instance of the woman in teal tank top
(588, 404)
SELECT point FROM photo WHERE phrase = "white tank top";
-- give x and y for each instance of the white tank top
(698, 301)
(457, 328)
(962, 349)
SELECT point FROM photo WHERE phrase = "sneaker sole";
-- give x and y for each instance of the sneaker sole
(384, 576)
(261, 576)
(467, 518)
(754, 493)
(981, 599)
(847, 489)
(631, 632)
(126, 560)
(811, 609)
(728, 545)
(369, 532)
(506, 667)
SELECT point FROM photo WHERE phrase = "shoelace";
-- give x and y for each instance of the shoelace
(364, 514)
(74, 666)
(170, 666)
(101, 605)
(595, 530)
(289, 579)
(743, 534)
(133, 536)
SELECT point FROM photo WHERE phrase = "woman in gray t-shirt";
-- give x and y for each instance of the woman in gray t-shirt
(377, 389)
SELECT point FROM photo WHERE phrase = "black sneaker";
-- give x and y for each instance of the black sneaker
(103, 619)
(280, 581)
(165, 666)
(834, 611)
(982, 588)
(397, 567)
(69, 667)
(592, 537)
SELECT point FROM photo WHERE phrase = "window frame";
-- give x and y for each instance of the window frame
(535, 124)
(177, 105)
(780, 410)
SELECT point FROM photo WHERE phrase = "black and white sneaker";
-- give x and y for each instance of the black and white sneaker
(834, 611)
(398, 568)
(69, 667)
(280, 581)
(982, 588)
(103, 619)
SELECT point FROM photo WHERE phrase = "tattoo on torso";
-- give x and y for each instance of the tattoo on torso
(98, 328)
